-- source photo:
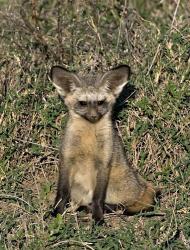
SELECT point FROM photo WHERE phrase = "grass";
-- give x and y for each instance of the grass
(153, 38)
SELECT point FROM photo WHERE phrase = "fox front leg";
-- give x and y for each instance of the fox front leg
(99, 196)
(63, 193)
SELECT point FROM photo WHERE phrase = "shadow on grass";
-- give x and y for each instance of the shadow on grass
(129, 92)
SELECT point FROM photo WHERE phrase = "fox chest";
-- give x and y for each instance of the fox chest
(85, 154)
(87, 146)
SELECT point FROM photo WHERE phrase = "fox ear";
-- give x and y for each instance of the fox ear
(116, 79)
(64, 80)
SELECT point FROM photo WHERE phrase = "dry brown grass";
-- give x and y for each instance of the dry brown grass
(153, 37)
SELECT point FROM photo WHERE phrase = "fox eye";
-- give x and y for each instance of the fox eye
(83, 103)
(101, 102)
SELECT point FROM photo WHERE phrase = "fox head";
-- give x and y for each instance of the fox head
(90, 97)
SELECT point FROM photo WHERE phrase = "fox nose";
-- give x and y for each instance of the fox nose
(92, 114)
(93, 117)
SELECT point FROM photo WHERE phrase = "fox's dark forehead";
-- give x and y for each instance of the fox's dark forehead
(91, 89)
(91, 81)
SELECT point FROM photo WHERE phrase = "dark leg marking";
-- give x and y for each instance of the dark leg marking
(100, 193)
(63, 193)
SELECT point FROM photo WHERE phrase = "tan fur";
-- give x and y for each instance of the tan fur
(92, 159)
(81, 143)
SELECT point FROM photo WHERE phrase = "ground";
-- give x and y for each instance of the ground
(154, 120)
